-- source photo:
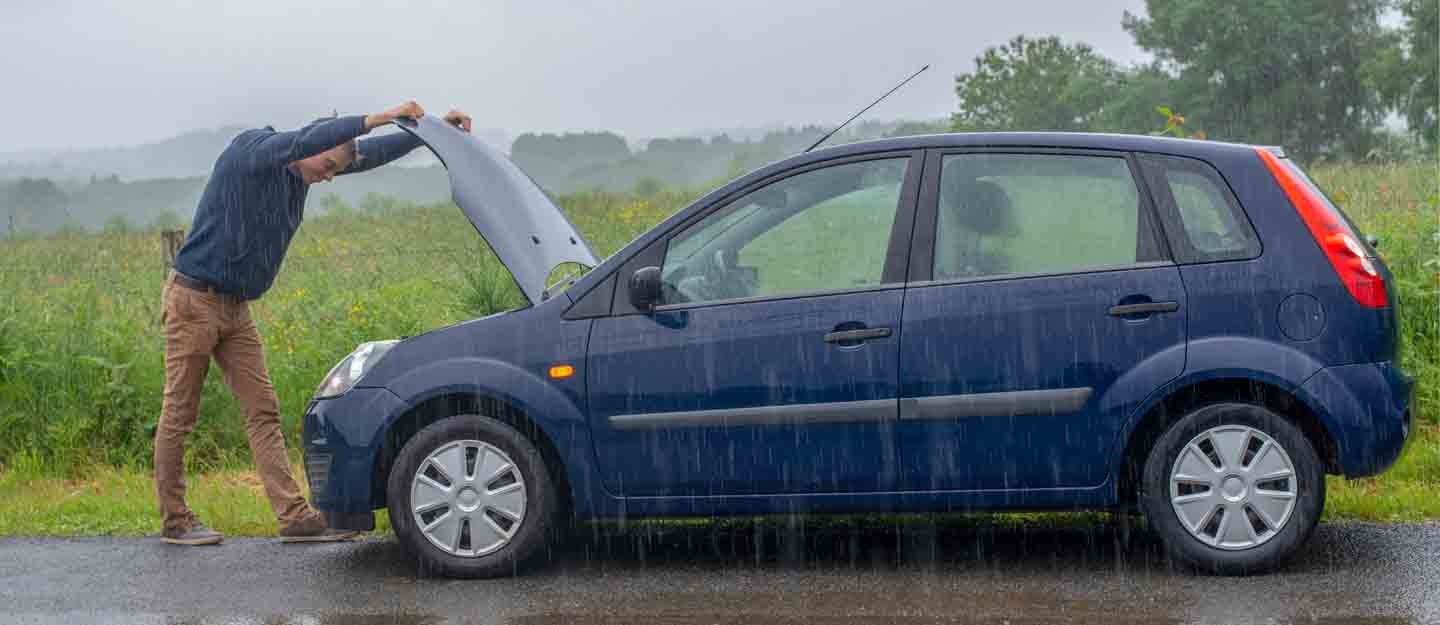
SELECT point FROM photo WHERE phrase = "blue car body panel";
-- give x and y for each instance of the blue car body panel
(1368, 410)
(1022, 352)
(745, 355)
(1231, 324)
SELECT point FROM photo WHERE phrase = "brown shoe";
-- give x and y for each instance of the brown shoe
(198, 534)
(314, 530)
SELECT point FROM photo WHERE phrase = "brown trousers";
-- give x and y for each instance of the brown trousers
(200, 325)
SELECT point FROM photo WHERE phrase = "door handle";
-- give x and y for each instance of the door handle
(1144, 308)
(856, 336)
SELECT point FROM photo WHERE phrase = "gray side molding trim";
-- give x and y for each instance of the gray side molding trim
(867, 411)
(1048, 402)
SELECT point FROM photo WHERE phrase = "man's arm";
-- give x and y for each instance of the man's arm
(283, 148)
(372, 153)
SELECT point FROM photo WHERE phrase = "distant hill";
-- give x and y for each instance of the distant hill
(186, 155)
(189, 154)
(161, 182)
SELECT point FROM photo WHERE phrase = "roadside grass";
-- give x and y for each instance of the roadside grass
(111, 501)
(81, 366)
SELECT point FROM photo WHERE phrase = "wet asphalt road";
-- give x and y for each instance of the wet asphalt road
(722, 575)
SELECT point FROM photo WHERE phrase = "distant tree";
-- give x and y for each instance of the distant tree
(678, 148)
(547, 155)
(166, 220)
(380, 204)
(1035, 84)
(1271, 72)
(905, 129)
(70, 228)
(117, 224)
(648, 187)
(33, 204)
(1136, 95)
(1407, 73)
(332, 205)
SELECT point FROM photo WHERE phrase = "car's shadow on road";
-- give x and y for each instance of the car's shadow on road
(941, 543)
(968, 543)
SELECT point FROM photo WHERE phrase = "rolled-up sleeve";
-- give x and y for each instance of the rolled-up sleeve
(280, 148)
(377, 151)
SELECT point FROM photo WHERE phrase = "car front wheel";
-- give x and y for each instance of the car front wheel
(471, 497)
(1233, 488)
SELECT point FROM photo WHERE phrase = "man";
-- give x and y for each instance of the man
(250, 209)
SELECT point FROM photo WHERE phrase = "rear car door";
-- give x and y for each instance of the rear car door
(1042, 308)
(771, 364)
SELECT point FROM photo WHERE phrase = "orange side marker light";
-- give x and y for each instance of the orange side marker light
(560, 372)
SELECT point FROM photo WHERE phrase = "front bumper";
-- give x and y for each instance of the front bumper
(341, 445)
(1367, 408)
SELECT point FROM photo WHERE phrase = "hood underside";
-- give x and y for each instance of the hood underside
(525, 229)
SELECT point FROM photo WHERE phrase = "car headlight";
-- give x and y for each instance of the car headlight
(345, 375)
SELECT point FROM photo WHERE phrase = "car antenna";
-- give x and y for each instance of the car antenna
(862, 111)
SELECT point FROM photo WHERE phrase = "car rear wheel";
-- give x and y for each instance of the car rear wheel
(471, 497)
(1233, 488)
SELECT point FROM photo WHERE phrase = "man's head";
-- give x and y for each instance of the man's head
(326, 165)
(323, 167)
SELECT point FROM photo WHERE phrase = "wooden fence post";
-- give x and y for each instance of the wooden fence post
(170, 241)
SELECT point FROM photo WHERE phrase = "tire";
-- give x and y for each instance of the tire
(480, 547)
(1193, 530)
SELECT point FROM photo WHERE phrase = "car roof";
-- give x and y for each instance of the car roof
(1073, 140)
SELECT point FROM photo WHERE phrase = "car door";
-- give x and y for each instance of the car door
(771, 363)
(1042, 308)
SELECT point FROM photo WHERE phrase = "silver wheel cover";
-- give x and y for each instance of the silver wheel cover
(1233, 487)
(468, 498)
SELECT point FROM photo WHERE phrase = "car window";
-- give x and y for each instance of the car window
(1005, 214)
(821, 230)
(1211, 227)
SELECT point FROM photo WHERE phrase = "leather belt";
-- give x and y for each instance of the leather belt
(196, 284)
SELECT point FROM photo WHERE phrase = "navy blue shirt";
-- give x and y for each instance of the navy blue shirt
(253, 202)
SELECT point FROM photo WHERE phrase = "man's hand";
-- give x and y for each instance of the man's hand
(410, 109)
(459, 119)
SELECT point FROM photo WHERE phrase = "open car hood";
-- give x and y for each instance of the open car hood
(527, 231)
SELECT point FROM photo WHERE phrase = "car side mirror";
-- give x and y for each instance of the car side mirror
(645, 288)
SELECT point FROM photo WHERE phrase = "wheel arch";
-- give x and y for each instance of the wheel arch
(1181, 400)
(461, 402)
(544, 414)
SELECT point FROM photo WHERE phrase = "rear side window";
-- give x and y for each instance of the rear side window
(1008, 214)
(1202, 220)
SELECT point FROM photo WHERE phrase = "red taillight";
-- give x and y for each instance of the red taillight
(1349, 258)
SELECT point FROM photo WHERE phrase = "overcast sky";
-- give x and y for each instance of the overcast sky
(88, 73)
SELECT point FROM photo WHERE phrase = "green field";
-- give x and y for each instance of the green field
(81, 365)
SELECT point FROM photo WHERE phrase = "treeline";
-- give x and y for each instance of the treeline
(186, 155)
(43, 205)
(559, 163)
(564, 163)
(1316, 76)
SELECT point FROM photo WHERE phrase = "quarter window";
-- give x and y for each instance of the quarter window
(822, 230)
(1211, 225)
(1008, 214)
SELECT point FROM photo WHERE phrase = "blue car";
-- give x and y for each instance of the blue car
(945, 323)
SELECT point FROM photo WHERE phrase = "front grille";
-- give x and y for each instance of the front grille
(317, 472)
